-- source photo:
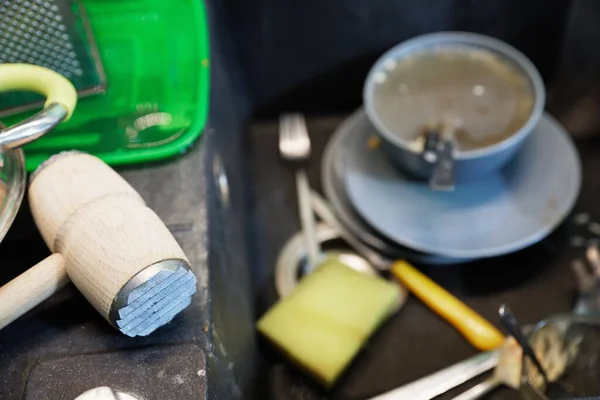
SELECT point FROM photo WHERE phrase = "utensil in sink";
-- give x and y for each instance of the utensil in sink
(290, 266)
(479, 332)
(509, 321)
(585, 312)
(60, 103)
(54, 34)
(568, 345)
(507, 372)
(294, 146)
(438, 150)
(61, 99)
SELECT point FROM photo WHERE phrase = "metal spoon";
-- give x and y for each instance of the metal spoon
(509, 321)
(438, 150)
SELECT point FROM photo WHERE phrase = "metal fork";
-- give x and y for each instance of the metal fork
(294, 146)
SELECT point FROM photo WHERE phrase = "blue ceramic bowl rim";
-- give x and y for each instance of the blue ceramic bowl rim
(475, 40)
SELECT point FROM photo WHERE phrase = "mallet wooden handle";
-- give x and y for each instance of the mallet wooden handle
(116, 250)
(31, 288)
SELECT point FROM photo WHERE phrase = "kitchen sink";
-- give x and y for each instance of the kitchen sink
(230, 202)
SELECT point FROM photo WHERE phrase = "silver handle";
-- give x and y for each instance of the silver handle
(479, 390)
(33, 127)
(440, 382)
(307, 218)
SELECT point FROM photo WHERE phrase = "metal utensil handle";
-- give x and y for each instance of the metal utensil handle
(33, 127)
(323, 211)
(444, 380)
(479, 390)
(442, 177)
(61, 98)
(307, 218)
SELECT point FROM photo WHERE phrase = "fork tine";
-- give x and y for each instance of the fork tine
(294, 142)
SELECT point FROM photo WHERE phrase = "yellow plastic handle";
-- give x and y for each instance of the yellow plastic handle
(55, 87)
(476, 329)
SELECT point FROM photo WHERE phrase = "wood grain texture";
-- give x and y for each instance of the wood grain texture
(31, 288)
(108, 242)
(65, 185)
(99, 223)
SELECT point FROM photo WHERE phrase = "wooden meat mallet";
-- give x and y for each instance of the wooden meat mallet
(106, 241)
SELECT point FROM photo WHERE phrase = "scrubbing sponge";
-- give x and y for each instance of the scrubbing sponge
(325, 321)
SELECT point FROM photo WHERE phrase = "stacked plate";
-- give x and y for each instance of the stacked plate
(508, 208)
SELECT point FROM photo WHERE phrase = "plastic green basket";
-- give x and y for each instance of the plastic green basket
(155, 54)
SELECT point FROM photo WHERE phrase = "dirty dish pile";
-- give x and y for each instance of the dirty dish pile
(511, 177)
(450, 159)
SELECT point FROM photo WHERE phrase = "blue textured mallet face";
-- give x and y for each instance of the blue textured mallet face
(156, 302)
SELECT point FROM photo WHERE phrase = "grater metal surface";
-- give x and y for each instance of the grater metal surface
(50, 33)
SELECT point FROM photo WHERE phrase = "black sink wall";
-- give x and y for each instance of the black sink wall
(314, 54)
(270, 56)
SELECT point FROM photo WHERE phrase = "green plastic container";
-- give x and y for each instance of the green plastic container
(155, 55)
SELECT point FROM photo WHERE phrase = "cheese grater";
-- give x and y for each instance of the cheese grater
(155, 103)
(55, 34)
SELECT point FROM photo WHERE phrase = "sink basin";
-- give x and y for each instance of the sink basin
(232, 225)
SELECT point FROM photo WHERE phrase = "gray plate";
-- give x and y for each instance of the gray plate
(332, 177)
(499, 214)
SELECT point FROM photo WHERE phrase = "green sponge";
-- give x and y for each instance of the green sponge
(326, 320)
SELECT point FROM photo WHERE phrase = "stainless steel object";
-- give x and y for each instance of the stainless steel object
(468, 164)
(55, 34)
(324, 212)
(137, 312)
(587, 305)
(508, 372)
(33, 127)
(479, 390)
(509, 321)
(439, 151)
(444, 380)
(105, 393)
(289, 267)
(294, 146)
